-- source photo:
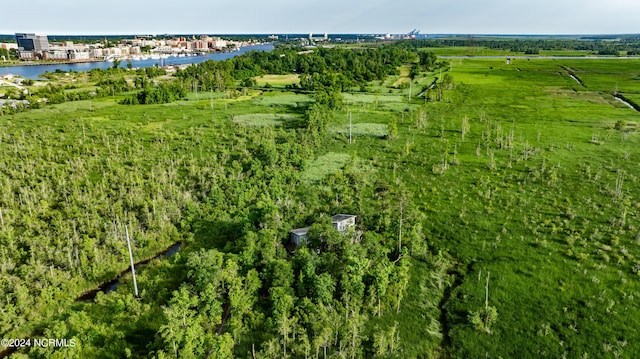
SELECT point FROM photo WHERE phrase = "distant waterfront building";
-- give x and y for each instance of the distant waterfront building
(218, 43)
(199, 45)
(56, 55)
(312, 39)
(8, 46)
(32, 42)
(124, 50)
(97, 53)
(79, 55)
(28, 55)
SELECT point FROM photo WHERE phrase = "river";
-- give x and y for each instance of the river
(34, 71)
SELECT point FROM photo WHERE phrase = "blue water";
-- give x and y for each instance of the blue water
(34, 71)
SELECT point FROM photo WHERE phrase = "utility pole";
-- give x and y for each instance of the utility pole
(133, 269)
(486, 292)
(400, 230)
(350, 126)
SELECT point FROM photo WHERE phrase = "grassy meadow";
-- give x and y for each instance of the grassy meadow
(524, 177)
(277, 80)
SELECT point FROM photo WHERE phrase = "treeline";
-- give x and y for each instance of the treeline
(54, 94)
(324, 71)
(161, 93)
(109, 82)
(531, 46)
(8, 54)
(339, 68)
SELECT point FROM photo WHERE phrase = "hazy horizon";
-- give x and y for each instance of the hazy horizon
(487, 17)
(79, 34)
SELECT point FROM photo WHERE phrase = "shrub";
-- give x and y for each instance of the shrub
(484, 319)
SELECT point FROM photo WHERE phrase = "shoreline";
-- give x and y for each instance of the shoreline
(15, 63)
(34, 69)
(49, 62)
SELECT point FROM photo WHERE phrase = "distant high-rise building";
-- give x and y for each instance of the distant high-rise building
(26, 41)
(32, 42)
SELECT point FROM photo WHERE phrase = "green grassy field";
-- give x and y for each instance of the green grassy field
(277, 80)
(540, 192)
(484, 51)
(324, 165)
(468, 51)
(361, 129)
(260, 119)
(283, 99)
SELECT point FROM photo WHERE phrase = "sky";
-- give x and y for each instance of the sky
(86, 17)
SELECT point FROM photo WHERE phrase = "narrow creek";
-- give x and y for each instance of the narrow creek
(433, 84)
(113, 284)
(106, 288)
(576, 79)
(627, 102)
(572, 74)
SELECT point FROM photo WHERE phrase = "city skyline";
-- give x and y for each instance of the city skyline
(75, 17)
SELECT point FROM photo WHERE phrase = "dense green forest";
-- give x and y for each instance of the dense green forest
(495, 203)
(631, 46)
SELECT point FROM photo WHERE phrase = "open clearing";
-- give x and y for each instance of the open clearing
(354, 99)
(263, 119)
(324, 165)
(404, 76)
(361, 129)
(277, 80)
(286, 99)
